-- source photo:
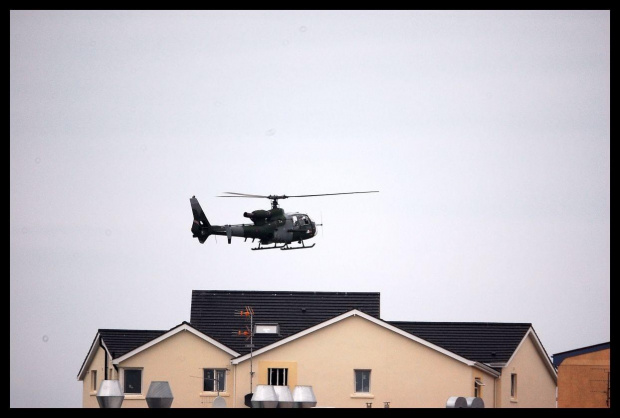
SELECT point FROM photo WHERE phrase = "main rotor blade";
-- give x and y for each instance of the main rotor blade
(244, 195)
(330, 194)
(276, 197)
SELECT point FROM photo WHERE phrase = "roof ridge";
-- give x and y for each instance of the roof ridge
(287, 291)
(460, 323)
(131, 330)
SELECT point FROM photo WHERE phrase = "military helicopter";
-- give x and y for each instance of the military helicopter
(271, 226)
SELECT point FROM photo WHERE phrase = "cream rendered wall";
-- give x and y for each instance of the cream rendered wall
(180, 360)
(403, 372)
(535, 384)
(89, 397)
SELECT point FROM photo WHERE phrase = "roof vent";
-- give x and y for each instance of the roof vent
(264, 397)
(159, 395)
(474, 402)
(110, 394)
(303, 396)
(456, 402)
(285, 397)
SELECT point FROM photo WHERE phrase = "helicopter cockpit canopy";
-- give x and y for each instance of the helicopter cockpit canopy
(300, 219)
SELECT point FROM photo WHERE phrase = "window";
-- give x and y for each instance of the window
(93, 380)
(362, 381)
(267, 329)
(478, 387)
(513, 386)
(214, 380)
(133, 381)
(277, 377)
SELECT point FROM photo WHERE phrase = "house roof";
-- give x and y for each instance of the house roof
(558, 358)
(215, 312)
(484, 342)
(121, 341)
(121, 344)
(215, 317)
(184, 326)
(117, 342)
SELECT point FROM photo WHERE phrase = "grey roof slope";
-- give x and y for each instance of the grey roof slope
(484, 342)
(213, 312)
(121, 341)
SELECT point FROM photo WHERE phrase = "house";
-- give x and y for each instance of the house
(334, 342)
(584, 377)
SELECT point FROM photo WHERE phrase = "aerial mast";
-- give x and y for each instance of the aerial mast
(248, 333)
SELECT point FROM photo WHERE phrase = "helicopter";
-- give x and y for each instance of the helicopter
(272, 226)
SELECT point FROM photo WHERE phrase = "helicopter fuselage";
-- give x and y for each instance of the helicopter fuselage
(269, 226)
(275, 228)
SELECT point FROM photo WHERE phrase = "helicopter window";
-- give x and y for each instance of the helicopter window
(306, 220)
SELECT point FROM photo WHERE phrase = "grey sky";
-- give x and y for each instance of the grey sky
(487, 134)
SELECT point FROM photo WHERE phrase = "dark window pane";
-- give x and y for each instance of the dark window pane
(221, 377)
(278, 377)
(362, 380)
(133, 381)
(209, 383)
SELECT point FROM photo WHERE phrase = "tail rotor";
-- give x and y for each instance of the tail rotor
(201, 228)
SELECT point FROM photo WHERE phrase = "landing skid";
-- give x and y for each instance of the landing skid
(303, 247)
(284, 247)
(268, 248)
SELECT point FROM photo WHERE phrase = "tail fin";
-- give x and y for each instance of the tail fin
(201, 228)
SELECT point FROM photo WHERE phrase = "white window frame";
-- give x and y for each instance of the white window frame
(478, 387)
(218, 386)
(93, 380)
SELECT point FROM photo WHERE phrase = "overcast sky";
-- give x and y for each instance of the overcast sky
(486, 133)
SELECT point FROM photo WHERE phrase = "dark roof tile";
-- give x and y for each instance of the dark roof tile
(121, 341)
(484, 342)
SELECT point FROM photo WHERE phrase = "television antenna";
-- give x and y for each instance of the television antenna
(248, 333)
